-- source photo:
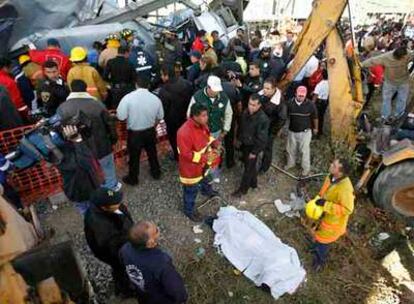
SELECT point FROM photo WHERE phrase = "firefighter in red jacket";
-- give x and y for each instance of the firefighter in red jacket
(197, 155)
(52, 52)
(8, 82)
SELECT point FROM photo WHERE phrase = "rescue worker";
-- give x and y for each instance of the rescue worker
(336, 198)
(8, 82)
(220, 112)
(52, 91)
(253, 137)
(52, 52)
(142, 62)
(112, 45)
(121, 74)
(83, 71)
(196, 157)
(150, 269)
(175, 95)
(172, 50)
(32, 70)
(107, 223)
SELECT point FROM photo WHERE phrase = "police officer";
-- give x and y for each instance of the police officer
(121, 74)
(52, 91)
(264, 58)
(253, 83)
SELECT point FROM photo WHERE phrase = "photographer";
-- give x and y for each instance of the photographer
(79, 169)
(102, 130)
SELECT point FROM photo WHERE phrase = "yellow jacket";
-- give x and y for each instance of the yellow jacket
(94, 81)
(339, 196)
(106, 55)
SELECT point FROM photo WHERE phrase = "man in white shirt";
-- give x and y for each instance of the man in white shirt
(321, 99)
(143, 111)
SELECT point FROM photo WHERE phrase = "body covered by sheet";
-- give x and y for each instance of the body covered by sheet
(254, 250)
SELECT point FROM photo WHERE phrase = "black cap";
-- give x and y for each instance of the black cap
(106, 197)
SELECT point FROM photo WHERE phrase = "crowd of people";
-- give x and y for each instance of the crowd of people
(226, 99)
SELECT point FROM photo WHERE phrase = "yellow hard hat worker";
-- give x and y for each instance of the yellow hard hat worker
(112, 41)
(312, 210)
(23, 59)
(78, 54)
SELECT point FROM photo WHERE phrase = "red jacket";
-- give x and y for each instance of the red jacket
(194, 145)
(11, 86)
(41, 56)
(198, 45)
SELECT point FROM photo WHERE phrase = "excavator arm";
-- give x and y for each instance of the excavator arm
(345, 103)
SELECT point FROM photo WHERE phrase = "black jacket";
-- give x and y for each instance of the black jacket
(251, 86)
(107, 232)
(102, 127)
(120, 71)
(153, 274)
(254, 130)
(175, 97)
(277, 67)
(52, 94)
(9, 117)
(79, 171)
(277, 113)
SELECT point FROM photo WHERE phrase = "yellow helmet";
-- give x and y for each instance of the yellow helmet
(77, 54)
(23, 58)
(312, 210)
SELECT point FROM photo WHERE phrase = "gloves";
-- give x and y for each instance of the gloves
(320, 202)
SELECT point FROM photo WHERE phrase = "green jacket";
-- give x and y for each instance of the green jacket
(216, 109)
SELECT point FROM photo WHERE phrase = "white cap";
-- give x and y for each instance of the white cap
(214, 83)
(264, 44)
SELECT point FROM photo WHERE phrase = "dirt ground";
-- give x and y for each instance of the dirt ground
(356, 272)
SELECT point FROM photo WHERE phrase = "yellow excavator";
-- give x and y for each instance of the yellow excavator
(387, 176)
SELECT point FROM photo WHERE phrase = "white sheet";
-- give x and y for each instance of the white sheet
(254, 250)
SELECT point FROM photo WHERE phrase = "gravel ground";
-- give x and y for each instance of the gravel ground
(210, 278)
(161, 202)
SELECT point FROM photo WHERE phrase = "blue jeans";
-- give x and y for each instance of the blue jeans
(108, 167)
(320, 254)
(190, 194)
(388, 91)
(82, 207)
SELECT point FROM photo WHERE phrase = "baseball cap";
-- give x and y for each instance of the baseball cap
(302, 90)
(106, 197)
(214, 83)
